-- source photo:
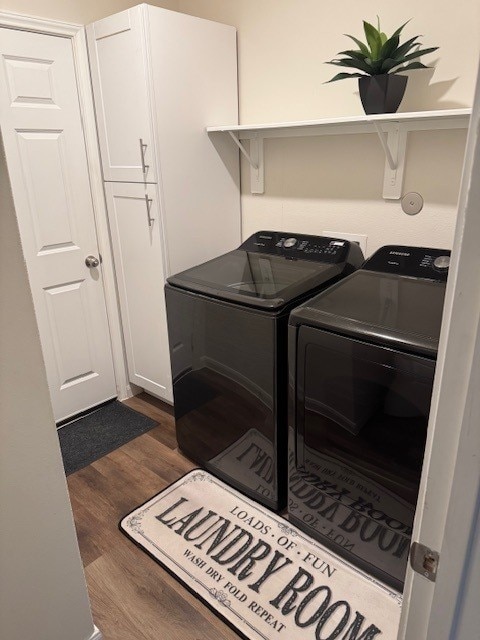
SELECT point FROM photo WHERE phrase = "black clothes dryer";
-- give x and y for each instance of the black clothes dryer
(362, 359)
(227, 325)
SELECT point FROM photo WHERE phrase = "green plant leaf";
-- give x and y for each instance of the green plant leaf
(417, 54)
(361, 45)
(383, 36)
(400, 29)
(352, 64)
(358, 55)
(373, 39)
(391, 63)
(343, 76)
(376, 67)
(404, 48)
(389, 47)
(413, 65)
(388, 65)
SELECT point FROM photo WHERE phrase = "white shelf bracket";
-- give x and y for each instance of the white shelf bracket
(255, 160)
(257, 176)
(394, 143)
(251, 162)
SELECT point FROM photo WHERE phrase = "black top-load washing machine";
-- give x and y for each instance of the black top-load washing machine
(227, 325)
(362, 359)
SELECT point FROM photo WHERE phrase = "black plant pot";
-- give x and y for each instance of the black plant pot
(383, 93)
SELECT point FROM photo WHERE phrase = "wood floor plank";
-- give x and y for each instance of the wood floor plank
(153, 455)
(158, 411)
(149, 600)
(133, 597)
(91, 532)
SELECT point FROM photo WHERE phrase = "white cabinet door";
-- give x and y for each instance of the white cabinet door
(47, 164)
(138, 252)
(119, 76)
(194, 71)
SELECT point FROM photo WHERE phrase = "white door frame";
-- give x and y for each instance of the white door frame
(76, 33)
(447, 519)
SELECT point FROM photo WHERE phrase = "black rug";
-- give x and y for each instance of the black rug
(103, 430)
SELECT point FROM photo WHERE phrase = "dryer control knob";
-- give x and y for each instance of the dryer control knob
(441, 263)
(290, 242)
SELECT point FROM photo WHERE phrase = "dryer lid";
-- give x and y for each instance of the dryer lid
(388, 308)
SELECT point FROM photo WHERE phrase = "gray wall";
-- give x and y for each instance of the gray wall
(43, 593)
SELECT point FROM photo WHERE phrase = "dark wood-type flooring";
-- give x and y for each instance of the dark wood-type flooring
(132, 597)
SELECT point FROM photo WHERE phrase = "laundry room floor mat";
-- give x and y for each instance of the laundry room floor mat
(260, 574)
(99, 432)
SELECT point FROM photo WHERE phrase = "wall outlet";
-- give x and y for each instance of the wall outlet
(353, 237)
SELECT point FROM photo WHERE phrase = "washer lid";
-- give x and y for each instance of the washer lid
(272, 269)
(256, 279)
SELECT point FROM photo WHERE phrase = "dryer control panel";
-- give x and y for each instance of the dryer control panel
(298, 246)
(416, 262)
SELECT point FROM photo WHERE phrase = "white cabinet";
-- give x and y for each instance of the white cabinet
(135, 226)
(118, 61)
(159, 79)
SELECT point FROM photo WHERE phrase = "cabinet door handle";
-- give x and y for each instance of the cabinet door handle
(143, 148)
(148, 202)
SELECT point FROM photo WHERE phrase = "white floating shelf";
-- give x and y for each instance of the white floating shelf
(392, 129)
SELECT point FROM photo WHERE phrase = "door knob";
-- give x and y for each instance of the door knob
(92, 261)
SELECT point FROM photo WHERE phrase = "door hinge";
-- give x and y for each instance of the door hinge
(424, 561)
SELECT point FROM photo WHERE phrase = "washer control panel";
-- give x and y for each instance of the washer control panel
(417, 262)
(300, 247)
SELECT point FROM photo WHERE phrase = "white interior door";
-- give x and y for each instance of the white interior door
(119, 75)
(447, 519)
(45, 148)
(138, 252)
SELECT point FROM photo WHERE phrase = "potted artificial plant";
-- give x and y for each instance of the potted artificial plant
(380, 60)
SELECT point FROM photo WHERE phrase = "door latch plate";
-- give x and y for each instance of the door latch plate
(424, 561)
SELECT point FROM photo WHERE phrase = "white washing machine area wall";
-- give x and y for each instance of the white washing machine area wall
(362, 359)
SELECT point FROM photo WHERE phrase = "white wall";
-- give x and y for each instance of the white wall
(468, 620)
(335, 183)
(284, 43)
(76, 11)
(43, 594)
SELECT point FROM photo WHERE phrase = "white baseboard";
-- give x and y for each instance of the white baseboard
(96, 635)
(129, 391)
